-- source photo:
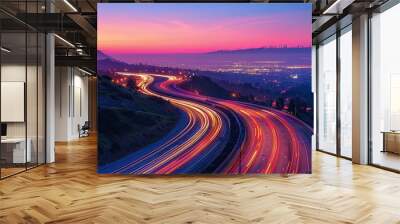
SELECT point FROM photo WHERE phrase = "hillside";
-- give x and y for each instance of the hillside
(149, 118)
(205, 86)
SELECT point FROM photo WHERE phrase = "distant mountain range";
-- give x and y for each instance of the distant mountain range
(102, 56)
(261, 50)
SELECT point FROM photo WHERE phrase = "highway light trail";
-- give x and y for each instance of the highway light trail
(269, 141)
(193, 141)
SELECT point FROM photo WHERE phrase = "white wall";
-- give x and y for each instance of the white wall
(13, 101)
(33, 126)
(62, 82)
(80, 110)
(71, 102)
(17, 72)
(14, 72)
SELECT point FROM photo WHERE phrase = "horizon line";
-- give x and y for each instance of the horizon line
(206, 52)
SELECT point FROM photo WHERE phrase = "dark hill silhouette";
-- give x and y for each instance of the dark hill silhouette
(149, 118)
(205, 86)
(102, 56)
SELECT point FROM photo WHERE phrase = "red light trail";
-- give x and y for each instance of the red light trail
(273, 142)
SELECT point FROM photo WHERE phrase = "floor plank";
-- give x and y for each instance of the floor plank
(70, 191)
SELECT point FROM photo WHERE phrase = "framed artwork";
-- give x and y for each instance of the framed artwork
(204, 88)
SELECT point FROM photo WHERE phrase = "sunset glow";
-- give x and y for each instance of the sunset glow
(201, 88)
(198, 28)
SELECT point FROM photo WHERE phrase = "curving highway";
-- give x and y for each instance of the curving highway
(218, 136)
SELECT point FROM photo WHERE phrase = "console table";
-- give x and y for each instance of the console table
(391, 141)
(13, 150)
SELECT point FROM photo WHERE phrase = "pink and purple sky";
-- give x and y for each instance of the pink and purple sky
(199, 27)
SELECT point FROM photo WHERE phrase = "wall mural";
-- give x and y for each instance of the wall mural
(204, 88)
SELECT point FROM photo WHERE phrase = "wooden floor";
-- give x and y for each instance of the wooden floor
(387, 159)
(70, 191)
(5, 172)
